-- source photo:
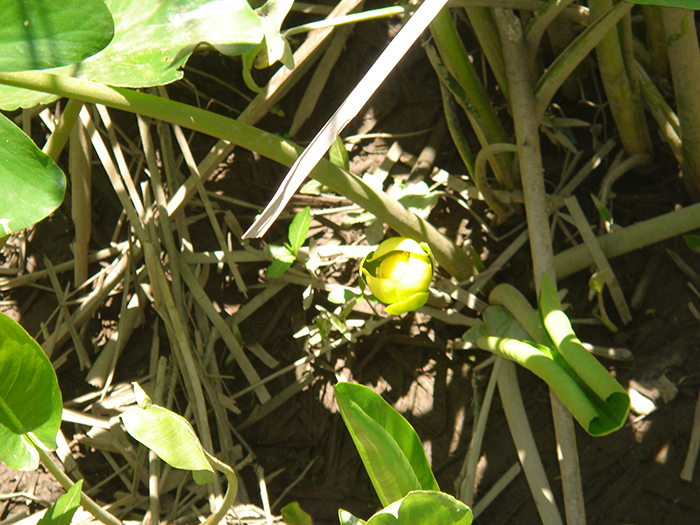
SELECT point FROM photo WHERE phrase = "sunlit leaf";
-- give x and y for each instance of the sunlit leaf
(152, 42)
(170, 436)
(32, 184)
(43, 34)
(61, 512)
(293, 514)
(424, 507)
(30, 400)
(298, 229)
(388, 445)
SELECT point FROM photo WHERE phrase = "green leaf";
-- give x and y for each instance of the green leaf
(339, 155)
(611, 401)
(424, 507)
(341, 295)
(152, 42)
(280, 252)
(602, 210)
(293, 514)
(32, 184)
(277, 268)
(345, 518)
(30, 400)
(170, 436)
(686, 4)
(298, 229)
(43, 34)
(389, 447)
(61, 512)
(693, 242)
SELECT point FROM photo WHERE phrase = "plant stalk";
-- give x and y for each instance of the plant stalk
(88, 504)
(408, 224)
(684, 59)
(481, 114)
(532, 175)
(625, 103)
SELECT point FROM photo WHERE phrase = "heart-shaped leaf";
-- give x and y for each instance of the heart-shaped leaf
(30, 400)
(32, 184)
(43, 34)
(152, 42)
(169, 435)
(388, 445)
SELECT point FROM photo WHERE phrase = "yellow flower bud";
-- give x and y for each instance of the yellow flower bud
(399, 273)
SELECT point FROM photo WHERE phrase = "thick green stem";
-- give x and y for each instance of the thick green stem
(532, 174)
(624, 103)
(59, 138)
(231, 491)
(481, 114)
(684, 58)
(631, 238)
(449, 255)
(93, 508)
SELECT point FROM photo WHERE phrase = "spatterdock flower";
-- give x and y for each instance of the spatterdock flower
(399, 273)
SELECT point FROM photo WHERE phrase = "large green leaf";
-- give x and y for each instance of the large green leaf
(169, 435)
(153, 40)
(424, 508)
(32, 184)
(43, 34)
(30, 400)
(389, 447)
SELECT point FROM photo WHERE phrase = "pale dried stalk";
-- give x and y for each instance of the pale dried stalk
(81, 203)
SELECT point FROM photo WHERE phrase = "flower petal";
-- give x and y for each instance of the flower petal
(382, 289)
(413, 302)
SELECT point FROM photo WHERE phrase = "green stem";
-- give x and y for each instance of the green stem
(473, 96)
(631, 238)
(653, 19)
(408, 224)
(684, 58)
(231, 490)
(61, 133)
(373, 14)
(540, 22)
(482, 184)
(579, 49)
(624, 105)
(93, 508)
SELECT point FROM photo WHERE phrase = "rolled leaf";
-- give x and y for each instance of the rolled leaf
(169, 435)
